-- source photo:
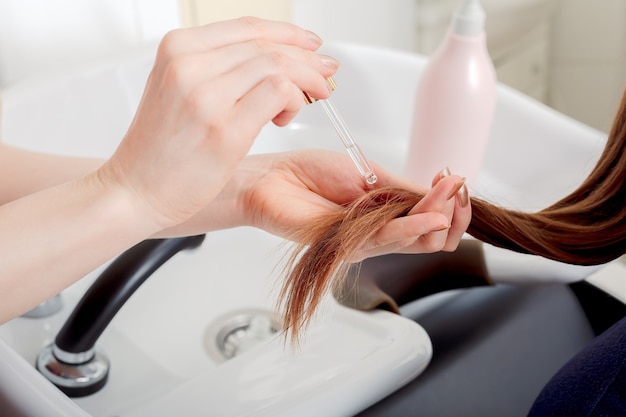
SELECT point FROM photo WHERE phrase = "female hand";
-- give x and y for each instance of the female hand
(279, 192)
(210, 92)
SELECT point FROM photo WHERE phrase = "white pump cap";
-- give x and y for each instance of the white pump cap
(469, 19)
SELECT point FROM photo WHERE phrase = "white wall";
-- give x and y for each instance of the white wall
(518, 31)
(589, 60)
(41, 36)
(197, 12)
(388, 23)
(572, 57)
(587, 46)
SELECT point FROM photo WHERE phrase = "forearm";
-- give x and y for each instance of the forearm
(52, 238)
(31, 172)
(56, 225)
(26, 172)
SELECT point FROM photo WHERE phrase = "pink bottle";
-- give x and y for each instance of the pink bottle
(455, 102)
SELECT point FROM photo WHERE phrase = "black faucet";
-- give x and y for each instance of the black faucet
(72, 362)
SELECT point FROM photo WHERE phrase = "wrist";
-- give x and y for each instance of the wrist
(229, 208)
(140, 196)
(116, 203)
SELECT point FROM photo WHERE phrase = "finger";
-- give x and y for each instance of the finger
(441, 175)
(231, 123)
(459, 217)
(412, 226)
(462, 194)
(235, 84)
(253, 94)
(417, 244)
(402, 232)
(287, 115)
(440, 195)
(218, 34)
(460, 221)
(394, 247)
(462, 213)
(272, 96)
(198, 67)
(439, 199)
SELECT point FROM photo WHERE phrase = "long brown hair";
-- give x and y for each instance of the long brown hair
(587, 227)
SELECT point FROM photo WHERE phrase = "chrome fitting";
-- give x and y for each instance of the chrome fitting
(66, 371)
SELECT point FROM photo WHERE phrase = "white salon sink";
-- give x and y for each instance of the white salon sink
(161, 361)
(349, 359)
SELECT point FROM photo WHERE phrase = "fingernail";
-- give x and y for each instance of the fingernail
(441, 175)
(313, 37)
(442, 228)
(459, 185)
(330, 62)
(463, 195)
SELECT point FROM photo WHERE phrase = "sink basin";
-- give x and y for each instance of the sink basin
(161, 362)
(349, 359)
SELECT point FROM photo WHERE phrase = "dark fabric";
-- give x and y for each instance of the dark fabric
(602, 309)
(592, 383)
(494, 349)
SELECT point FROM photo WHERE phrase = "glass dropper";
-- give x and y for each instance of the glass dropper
(353, 148)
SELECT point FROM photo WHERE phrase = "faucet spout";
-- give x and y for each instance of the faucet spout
(72, 362)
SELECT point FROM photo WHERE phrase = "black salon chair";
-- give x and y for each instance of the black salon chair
(494, 346)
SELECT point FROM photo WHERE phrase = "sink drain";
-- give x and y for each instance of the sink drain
(238, 331)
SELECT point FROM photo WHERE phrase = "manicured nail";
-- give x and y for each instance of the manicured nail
(313, 37)
(459, 185)
(463, 195)
(330, 62)
(440, 175)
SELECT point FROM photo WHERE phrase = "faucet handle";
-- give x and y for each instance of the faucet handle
(72, 362)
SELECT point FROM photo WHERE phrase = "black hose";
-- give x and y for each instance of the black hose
(114, 287)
